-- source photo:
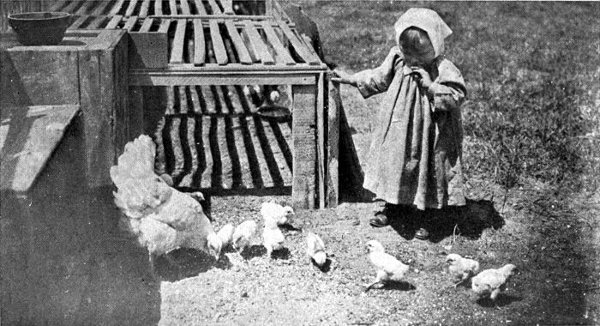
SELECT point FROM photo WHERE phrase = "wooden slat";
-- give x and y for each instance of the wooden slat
(267, 179)
(209, 99)
(177, 168)
(200, 7)
(146, 25)
(173, 7)
(219, 97)
(199, 43)
(226, 163)
(116, 8)
(207, 125)
(303, 143)
(71, 6)
(164, 26)
(78, 22)
(178, 42)
(183, 105)
(217, 42)
(158, 7)
(101, 8)
(58, 5)
(114, 22)
(85, 8)
(281, 52)
(299, 46)
(321, 140)
(258, 46)
(227, 6)
(170, 109)
(130, 9)
(130, 23)
(185, 7)
(197, 107)
(144, 9)
(242, 51)
(246, 180)
(215, 8)
(96, 22)
(188, 179)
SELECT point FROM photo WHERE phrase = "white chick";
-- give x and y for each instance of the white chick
(243, 235)
(315, 249)
(388, 267)
(273, 212)
(490, 282)
(225, 234)
(272, 238)
(461, 269)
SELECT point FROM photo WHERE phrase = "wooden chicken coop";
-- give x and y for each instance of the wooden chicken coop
(188, 63)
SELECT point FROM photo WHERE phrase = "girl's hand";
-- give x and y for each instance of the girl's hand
(343, 78)
(423, 77)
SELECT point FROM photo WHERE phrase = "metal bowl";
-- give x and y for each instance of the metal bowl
(40, 28)
(274, 113)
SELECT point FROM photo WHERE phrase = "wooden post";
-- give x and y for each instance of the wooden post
(321, 139)
(304, 146)
(333, 137)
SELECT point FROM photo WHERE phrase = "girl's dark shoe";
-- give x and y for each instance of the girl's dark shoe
(379, 220)
(422, 234)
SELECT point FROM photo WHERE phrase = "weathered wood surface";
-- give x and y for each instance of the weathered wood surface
(28, 137)
(304, 146)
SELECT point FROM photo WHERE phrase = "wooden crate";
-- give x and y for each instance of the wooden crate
(88, 69)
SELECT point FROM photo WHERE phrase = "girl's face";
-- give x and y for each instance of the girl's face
(418, 57)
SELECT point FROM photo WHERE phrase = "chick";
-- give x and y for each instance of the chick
(315, 249)
(243, 235)
(272, 238)
(274, 212)
(388, 267)
(490, 282)
(226, 234)
(461, 269)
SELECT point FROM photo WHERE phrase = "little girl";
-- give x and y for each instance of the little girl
(415, 155)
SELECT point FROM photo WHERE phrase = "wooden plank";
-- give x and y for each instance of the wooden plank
(209, 99)
(130, 9)
(207, 172)
(178, 42)
(333, 141)
(114, 22)
(144, 9)
(166, 78)
(299, 46)
(266, 180)
(196, 105)
(173, 7)
(58, 5)
(78, 22)
(238, 18)
(214, 7)
(101, 8)
(96, 22)
(226, 163)
(258, 46)
(243, 156)
(217, 42)
(281, 53)
(30, 146)
(190, 140)
(146, 25)
(170, 108)
(130, 23)
(304, 146)
(199, 43)
(183, 104)
(158, 7)
(200, 7)
(71, 6)
(164, 26)
(321, 141)
(85, 8)
(185, 7)
(219, 93)
(227, 7)
(238, 43)
(116, 8)
(178, 163)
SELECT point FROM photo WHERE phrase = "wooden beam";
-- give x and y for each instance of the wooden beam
(258, 46)
(281, 53)
(158, 7)
(321, 140)
(173, 7)
(204, 15)
(242, 51)
(146, 25)
(178, 42)
(217, 43)
(144, 8)
(304, 146)
(301, 48)
(116, 8)
(200, 8)
(131, 8)
(199, 43)
(185, 7)
(214, 7)
(333, 140)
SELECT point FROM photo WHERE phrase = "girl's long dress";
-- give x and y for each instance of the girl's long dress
(415, 156)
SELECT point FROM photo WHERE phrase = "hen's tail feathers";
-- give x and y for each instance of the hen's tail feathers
(140, 190)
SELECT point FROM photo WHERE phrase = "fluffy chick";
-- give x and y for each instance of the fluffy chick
(272, 238)
(225, 234)
(315, 249)
(491, 282)
(243, 235)
(273, 212)
(388, 267)
(461, 269)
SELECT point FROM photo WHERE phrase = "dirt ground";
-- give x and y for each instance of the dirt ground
(554, 240)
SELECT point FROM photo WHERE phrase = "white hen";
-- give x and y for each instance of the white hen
(388, 267)
(490, 282)
(225, 234)
(243, 235)
(315, 249)
(273, 212)
(161, 217)
(273, 238)
(461, 269)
